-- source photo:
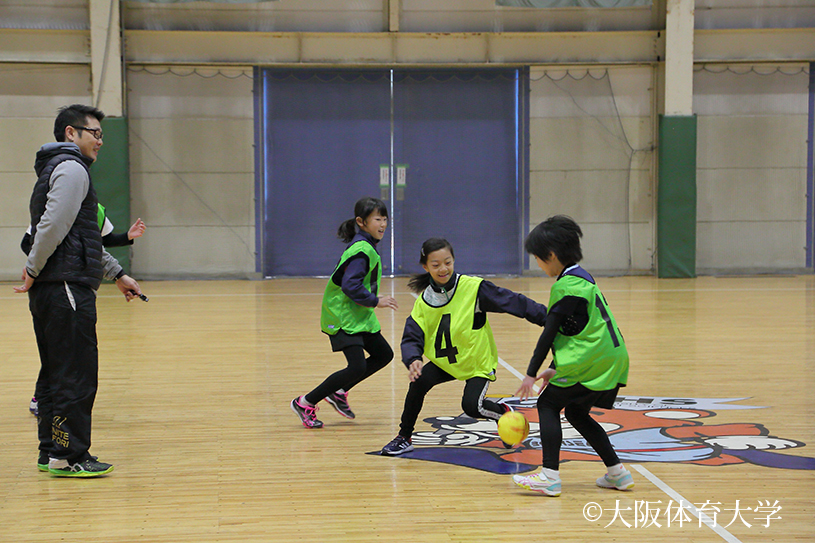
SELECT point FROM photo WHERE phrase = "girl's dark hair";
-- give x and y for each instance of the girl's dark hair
(559, 235)
(420, 281)
(362, 209)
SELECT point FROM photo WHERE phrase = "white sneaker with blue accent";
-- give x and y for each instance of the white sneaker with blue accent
(624, 481)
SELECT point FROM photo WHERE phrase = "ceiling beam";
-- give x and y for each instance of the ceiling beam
(408, 48)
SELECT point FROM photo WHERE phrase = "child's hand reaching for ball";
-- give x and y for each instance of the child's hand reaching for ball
(528, 387)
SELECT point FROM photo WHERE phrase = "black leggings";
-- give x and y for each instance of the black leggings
(359, 368)
(473, 401)
(577, 401)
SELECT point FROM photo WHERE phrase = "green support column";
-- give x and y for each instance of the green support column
(676, 208)
(111, 178)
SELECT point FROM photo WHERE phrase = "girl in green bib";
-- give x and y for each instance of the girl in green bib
(590, 361)
(348, 312)
(449, 326)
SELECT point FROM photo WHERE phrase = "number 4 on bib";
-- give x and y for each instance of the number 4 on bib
(443, 338)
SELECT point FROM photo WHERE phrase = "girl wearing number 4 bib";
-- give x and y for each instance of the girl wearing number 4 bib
(449, 326)
(590, 361)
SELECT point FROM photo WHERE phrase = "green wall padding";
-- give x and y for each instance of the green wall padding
(111, 178)
(676, 207)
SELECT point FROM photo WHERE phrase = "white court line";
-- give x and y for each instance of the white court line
(695, 511)
(516, 373)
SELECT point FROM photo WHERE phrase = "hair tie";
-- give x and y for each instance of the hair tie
(422, 249)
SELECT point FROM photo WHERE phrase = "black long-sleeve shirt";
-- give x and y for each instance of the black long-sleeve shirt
(354, 274)
(558, 314)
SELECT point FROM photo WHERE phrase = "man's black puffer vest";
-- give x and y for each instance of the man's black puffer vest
(78, 259)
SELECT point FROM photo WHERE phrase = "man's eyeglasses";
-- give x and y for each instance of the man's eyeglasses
(95, 132)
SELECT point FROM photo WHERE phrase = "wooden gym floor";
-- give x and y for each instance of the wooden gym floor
(193, 410)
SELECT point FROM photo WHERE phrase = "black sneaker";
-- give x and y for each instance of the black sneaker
(307, 413)
(339, 401)
(89, 468)
(42, 461)
(399, 445)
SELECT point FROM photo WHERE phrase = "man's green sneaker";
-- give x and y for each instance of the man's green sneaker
(89, 468)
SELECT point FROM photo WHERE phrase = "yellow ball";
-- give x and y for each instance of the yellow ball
(513, 427)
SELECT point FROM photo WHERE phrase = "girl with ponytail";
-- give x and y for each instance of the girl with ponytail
(348, 312)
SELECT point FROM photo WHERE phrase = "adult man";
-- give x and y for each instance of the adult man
(64, 269)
